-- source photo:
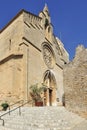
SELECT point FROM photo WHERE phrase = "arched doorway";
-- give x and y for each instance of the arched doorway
(50, 93)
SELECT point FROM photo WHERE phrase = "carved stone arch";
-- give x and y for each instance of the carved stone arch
(50, 29)
(48, 75)
(50, 93)
(49, 32)
(46, 24)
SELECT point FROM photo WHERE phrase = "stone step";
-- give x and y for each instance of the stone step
(42, 118)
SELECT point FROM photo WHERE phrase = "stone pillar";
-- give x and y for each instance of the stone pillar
(54, 103)
(48, 97)
(25, 50)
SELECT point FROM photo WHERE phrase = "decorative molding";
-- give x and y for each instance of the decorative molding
(27, 24)
(32, 25)
(31, 43)
(10, 56)
(48, 41)
(59, 66)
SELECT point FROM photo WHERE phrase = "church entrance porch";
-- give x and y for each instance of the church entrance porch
(50, 92)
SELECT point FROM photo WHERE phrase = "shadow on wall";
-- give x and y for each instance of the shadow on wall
(63, 99)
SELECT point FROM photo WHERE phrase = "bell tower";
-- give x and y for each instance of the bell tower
(46, 23)
(46, 12)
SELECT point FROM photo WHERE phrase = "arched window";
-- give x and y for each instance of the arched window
(46, 23)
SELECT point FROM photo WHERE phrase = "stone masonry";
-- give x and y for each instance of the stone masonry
(29, 54)
(75, 82)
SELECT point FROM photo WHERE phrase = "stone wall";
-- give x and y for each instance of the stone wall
(11, 37)
(75, 82)
(10, 79)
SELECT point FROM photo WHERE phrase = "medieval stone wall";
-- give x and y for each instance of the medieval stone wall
(75, 82)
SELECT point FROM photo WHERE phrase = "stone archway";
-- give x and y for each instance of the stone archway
(50, 93)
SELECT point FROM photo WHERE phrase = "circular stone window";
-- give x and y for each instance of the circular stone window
(48, 56)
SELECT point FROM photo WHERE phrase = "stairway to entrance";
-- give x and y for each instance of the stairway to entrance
(43, 118)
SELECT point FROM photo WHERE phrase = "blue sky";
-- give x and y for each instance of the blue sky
(69, 18)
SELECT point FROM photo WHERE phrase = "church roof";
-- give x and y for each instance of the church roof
(18, 14)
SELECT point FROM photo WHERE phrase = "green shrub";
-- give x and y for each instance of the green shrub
(5, 105)
(36, 90)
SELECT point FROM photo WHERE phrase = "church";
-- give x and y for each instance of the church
(30, 53)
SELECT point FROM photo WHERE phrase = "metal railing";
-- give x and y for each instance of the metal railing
(18, 102)
(22, 103)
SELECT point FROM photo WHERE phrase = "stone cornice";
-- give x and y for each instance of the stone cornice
(31, 43)
(10, 55)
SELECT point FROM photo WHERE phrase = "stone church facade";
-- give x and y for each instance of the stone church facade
(29, 54)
